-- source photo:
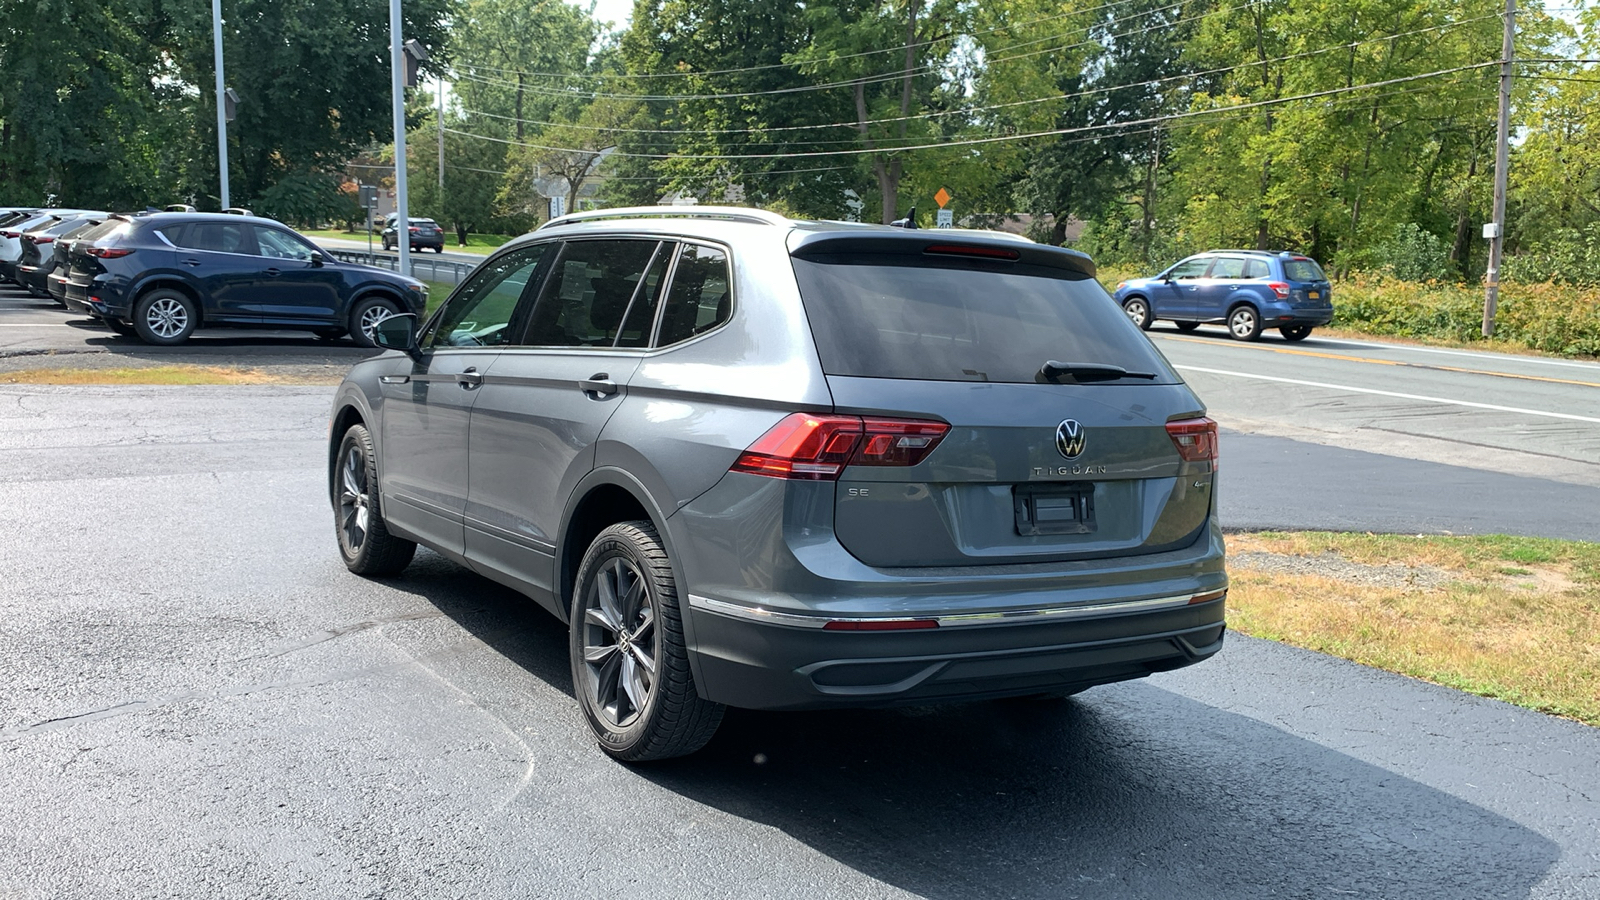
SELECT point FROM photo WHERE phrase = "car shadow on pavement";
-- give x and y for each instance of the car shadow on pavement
(1128, 790)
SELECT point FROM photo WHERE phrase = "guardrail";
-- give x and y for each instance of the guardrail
(442, 270)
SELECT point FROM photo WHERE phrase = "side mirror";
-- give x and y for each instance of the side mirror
(398, 332)
(317, 259)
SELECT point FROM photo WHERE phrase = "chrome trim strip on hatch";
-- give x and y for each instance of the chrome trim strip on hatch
(1004, 617)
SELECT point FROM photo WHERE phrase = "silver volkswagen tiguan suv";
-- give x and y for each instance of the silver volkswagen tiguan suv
(781, 464)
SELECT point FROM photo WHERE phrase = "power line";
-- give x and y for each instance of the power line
(1012, 104)
(874, 79)
(995, 139)
(786, 65)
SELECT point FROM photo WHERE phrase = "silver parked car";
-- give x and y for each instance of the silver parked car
(782, 465)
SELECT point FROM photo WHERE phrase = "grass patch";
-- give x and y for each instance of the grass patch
(180, 374)
(482, 244)
(1443, 609)
(437, 291)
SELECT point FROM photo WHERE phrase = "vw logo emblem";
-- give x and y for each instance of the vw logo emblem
(1070, 438)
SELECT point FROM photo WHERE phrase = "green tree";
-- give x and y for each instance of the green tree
(515, 60)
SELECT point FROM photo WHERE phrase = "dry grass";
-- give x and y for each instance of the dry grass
(1513, 618)
(178, 374)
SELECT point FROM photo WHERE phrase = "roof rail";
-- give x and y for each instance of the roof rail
(725, 213)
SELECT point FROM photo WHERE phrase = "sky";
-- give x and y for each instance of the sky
(617, 12)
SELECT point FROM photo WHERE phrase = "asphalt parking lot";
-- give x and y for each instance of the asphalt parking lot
(200, 701)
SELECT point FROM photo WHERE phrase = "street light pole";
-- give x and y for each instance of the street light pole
(1496, 231)
(397, 60)
(441, 138)
(222, 120)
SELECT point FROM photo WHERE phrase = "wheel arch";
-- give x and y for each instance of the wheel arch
(170, 282)
(604, 497)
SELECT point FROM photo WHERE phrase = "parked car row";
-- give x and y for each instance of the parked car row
(1246, 290)
(161, 276)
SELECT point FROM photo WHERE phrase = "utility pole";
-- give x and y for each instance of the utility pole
(441, 138)
(397, 61)
(222, 116)
(1496, 231)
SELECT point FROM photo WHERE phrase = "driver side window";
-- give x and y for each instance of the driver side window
(480, 313)
(1191, 268)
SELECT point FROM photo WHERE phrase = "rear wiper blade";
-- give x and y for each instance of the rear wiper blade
(1053, 369)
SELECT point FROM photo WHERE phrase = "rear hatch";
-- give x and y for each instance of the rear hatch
(1060, 420)
(82, 266)
(1308, 285)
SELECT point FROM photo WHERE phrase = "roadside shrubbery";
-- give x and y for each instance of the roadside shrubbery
(1554, 318)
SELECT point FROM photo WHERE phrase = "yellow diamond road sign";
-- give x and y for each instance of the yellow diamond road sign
(942, 198)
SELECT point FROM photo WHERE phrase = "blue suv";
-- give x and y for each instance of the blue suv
(1247, 290)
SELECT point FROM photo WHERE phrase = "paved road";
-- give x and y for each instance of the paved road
(196, 700)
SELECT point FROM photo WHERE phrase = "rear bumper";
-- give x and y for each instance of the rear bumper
(1310, 317)
(755, 665)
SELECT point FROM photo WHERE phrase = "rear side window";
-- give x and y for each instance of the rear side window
(216, 237)
(1303, 270)
(700, 298)
(588, 292)
(1228, 267)
(1256, 268)
(942, 320)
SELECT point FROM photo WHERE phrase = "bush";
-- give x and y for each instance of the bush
(1415, 254)
(1570, 256)
(1549, 317)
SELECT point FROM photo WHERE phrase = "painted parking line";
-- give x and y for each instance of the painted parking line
(34, 325)
(1389, 362)
(1396, 394)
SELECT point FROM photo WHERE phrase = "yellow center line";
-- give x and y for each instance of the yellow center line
(1381, 362)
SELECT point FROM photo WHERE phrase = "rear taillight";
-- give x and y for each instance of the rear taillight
(818, 448)
(969, 250)
(1196, 439)
(43, 240)
(1279, 288)
(10, 234)
(108, 252)
(414, 229)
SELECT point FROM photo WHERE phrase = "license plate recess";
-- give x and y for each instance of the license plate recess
(1054, 508)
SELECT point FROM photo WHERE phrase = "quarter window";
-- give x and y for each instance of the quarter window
(479, 314)
(589, 292)
(699, 298)
(1256, 268)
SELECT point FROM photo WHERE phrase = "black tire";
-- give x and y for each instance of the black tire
(366, 313)
(365, 543)
(1187, 327)
(611, 664)
(386, 245)
(120, 327)
(1295, 332)
(1138, 310)
(165, 317)
(439, 249)
(1244, 323)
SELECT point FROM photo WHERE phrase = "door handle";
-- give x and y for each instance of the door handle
(191, 262)
(599, 384)
(1233, 287)
(273, 273)
(469, 378)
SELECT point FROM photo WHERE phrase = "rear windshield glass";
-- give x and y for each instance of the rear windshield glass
(103, 229)
(1303, 270)
(938, 320)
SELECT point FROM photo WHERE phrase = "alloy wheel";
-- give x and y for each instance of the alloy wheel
(621, 645)
(353, 508)
(167, 317)
(1136, 311)
(371, 317)
(1242, 323)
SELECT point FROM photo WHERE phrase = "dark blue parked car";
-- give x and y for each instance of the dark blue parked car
(1247, 290)
(161, 276)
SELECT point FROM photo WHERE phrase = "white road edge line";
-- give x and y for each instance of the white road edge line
(1360, 390)
(32, 325)
(1501, 357)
